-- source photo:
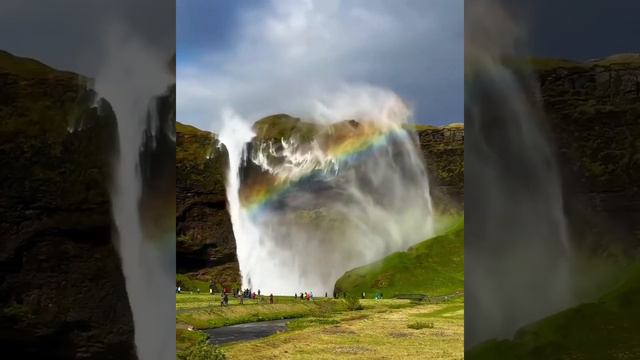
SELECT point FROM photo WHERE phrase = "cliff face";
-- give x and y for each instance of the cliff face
(443, 150)
(205, 247)
(594, 114)
(62, 292)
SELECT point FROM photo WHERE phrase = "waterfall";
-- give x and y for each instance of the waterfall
(130, 78)
(518, 256)
(304, 211)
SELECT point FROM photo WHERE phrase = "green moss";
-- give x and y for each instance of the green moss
(189, 284)
(606, 329)
(201, 161)
(283, 126)
(419, 325)
(26, 67)
(433, 267)
(200, 350)
(188, 338)
(304, 323)
(18, 311)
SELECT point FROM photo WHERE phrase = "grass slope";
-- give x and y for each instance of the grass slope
(433, 267)
(606, 329)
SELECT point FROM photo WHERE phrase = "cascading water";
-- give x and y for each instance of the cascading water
(517, 245)
(148, 264)
(308, 207)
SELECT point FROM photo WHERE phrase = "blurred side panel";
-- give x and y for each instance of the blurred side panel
(552, 188)
(87, 159)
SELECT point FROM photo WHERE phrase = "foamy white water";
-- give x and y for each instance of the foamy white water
(131, 77)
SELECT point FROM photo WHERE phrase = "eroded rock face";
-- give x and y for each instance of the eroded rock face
(62, 292)
(443, 150)
(594, 115)
(205, 247)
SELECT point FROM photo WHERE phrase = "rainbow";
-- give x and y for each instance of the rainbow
(346, 150)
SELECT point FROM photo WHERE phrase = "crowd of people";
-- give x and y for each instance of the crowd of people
(241, 295)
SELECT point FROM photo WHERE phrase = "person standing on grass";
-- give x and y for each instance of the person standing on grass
(271, 299)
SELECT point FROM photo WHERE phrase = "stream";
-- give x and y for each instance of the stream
(247, 331)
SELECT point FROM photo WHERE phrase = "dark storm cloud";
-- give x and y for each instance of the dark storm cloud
(70, 34)
(273, 56)
(579, 30)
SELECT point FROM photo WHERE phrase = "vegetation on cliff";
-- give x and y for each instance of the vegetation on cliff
(433, 267)
(205, 248)
(604, 329)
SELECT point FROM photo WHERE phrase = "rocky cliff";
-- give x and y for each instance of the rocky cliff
(443, 150)
(62, 292)
(594, 116)
(206, 245)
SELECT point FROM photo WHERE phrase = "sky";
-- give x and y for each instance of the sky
(264, 57)
(243, 53)
(579, 30)
(71, 34)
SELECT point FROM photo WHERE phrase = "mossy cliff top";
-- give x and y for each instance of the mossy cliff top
(201, 160)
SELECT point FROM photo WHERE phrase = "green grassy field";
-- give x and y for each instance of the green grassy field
(381, 331)
(327, 329)
(202, 314)
(605, 329)
(432, 267)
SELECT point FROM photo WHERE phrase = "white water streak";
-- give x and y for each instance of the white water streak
(131, 76)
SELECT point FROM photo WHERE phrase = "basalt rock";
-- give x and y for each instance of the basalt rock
(206, 248)
(443, 150)
(62, 292)
(593, 110)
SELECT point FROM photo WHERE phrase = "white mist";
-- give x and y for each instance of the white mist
(369, 208)
(131, 76)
